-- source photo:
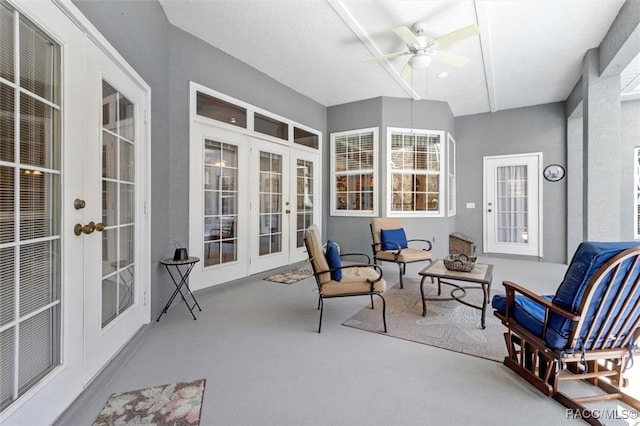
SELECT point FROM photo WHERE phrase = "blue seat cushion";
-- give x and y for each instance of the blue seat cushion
(589, 257)
(530, 315)
(332, 254)
(393, 236)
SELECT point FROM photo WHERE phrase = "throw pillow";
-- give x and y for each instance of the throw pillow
(333, 259)
(393, 236)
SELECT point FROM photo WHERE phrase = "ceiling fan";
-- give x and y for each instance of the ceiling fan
(423, 51)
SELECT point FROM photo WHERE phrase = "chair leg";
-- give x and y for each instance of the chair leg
(384, 312)
(372, 301)
(321, 304)
(400, 274)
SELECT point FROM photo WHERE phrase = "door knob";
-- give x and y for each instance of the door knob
(287, 211)
(88, 228)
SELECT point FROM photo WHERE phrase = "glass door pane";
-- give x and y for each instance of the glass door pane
(304, 198)
(220, 203)
(118, 203)
(270, 208)
(511, 209)
(30, 210)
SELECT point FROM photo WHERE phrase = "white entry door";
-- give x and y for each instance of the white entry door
(271, 205)
(512, 204)
(116, 302)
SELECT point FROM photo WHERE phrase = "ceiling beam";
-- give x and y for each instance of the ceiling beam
(345, 14)
(482, 17)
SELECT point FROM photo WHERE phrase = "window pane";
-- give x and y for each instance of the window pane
(39, 275)
(302, 137)
(7, 280)
(7, 119)
(39, 62)
(6, 44)
(217, 109)
(269, 126)
(7, 204)
(39, 204)
(39, 133)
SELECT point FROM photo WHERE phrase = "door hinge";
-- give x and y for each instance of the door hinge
(144, 298)
(145, 207)
(146, 115)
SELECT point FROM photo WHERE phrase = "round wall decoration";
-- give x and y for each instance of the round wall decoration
(554, 172)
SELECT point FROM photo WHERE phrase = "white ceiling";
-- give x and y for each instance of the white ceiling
(529, 52)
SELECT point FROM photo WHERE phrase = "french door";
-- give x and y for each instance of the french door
(51, 162)
(250, 202)
(271, 205)
(512, 204)
(114, 188)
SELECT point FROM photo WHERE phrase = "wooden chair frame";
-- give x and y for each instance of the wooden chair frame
(600, 364)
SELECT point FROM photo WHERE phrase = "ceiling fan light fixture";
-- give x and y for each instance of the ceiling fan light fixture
(420, 61)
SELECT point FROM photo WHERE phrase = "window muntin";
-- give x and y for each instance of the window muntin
(354, 164)
(415, 172)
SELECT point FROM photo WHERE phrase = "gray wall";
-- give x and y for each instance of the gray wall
(382, 113)
(167, 58)
(540, 128)
(630, 124)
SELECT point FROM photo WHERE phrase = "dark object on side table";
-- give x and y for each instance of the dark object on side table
(460, 262)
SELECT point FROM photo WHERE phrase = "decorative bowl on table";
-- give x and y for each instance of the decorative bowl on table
(460, 262)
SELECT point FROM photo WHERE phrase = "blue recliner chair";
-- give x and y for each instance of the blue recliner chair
(588, 330)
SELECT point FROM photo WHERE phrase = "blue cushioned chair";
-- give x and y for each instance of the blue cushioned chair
(587, 331)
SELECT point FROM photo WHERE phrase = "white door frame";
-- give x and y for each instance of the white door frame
(535, 215)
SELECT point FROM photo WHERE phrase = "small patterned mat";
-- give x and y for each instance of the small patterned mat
(175, 404)
(290, 277)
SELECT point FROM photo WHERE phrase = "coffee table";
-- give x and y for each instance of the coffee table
(481, 275)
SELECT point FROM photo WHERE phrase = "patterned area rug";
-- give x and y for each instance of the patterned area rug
(290, 277)
(176, 404)
(448, 324)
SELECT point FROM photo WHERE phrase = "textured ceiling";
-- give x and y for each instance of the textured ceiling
(528, 52)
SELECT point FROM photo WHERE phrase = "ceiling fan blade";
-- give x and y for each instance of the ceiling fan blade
(449, 58)
(406, 71)
(387, 56)
(406, 35)
(457, 35)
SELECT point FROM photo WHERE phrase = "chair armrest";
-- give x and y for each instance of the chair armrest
(378, 247)
(422, 241)
(512, 288)
(357, 254)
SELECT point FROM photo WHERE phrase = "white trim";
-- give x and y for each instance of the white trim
(251, 110)
(451, 151)
(442, 198)
(374, 171)
(636, 193)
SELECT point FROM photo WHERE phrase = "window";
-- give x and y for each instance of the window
(636, 194)
(354, 156)
(415, 174)
(451, 175)
(217, 109)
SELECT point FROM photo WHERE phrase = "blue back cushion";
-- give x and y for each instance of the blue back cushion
(393, 236)
(333, 259)
(589, 257)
